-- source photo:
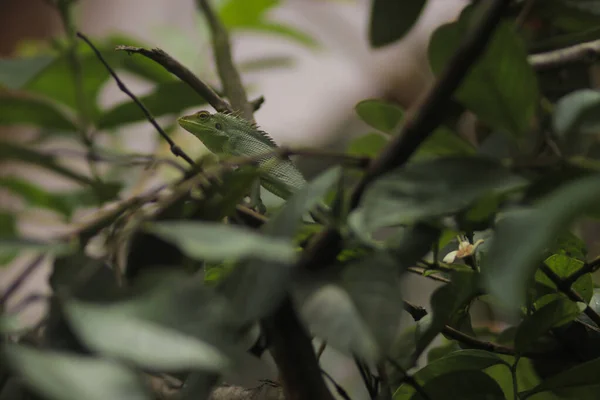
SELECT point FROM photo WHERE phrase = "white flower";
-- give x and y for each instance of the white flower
(465, 249)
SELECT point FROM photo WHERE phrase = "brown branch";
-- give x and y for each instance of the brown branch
(421, 120)
(570, 293)
(232, 82)
(586, 52)
(176, 150)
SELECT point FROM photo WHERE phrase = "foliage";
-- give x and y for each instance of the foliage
(187, 270)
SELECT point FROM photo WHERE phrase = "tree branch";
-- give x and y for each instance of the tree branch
(232, 82)
(587, 52)
(588, 268)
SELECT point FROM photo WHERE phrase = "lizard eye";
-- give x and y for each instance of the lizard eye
(203, 115)
(218, 126)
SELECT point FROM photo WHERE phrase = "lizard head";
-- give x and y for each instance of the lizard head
(209, 128)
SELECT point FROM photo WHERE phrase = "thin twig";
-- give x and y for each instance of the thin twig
(570, 293)
(20, 279)
(321, 349)
(586, 52)
(409, 379)
(421, 120)
(338, 388)
(232, 82)
(421, 271)
(176, 150)
(365, 374)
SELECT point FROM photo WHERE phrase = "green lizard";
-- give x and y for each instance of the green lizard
(229, 135)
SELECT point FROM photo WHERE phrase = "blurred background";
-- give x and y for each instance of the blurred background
(311, 80)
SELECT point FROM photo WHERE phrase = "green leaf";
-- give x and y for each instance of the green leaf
(432, 189)
(379, 114)
(577, 113)
(8, 231)
(113, 331)
(33, 112)
(367, 145)
(285, 31)
(36, 196)
(521, 238)
(464, 385)
(63, 376)
(16, 72)
(564, 266)
(286, 222)
(443, 142)
(216, 242)
(331, 315)
(446, 301)
(235, 13)
(461, 360)
(167, 98)
(392, 19)
(553, 314)
(501, 88)
(373, 284)
(581, 376)
(17, 245)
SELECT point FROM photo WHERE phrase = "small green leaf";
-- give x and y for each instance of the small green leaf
(235, 13)
(564, 266)
(379, 114)
(8, 231)
(443, 142)
(33, 112)
(69, 377)
(16, 72)
(368, 145)
(521, 238)
(583, 375)
(501, 88)
(113, 331)
(392, 19)
(166, 98)
(216, 242)
(332, 316)
(553, 314)
(432, 189)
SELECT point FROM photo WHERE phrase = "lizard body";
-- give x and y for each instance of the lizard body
(229, 135)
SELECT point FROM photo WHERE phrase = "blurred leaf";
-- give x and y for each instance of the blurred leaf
(36, 196)
(534, 326)
(265, 62)
(116, 333)
(501, 88)
(443, 142)
(16, 72)
(446, 301)
(286, 222)
(460, 360)
(373, 284)
(235, 13)
(392, 19)
(8, 231)
(432, 189)
(63, 376)
(379, 114)
(16, 152)
(251, 15)
(9, 245)
(332, 316)
(464, 385)
(217, 242)
(577, 112)
(33, 112)
(585, 375)
(166, 98)
(254, 288)
(285, 31)
(570, 245)
(521, 237)
(367, 145)
(9, 324)
(564, 266)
